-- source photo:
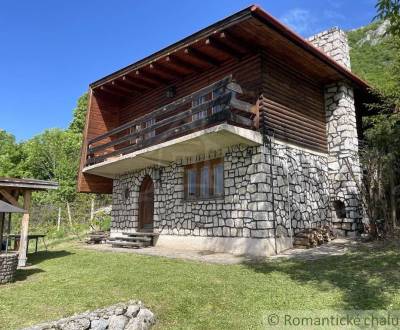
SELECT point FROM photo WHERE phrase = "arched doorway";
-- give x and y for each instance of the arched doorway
(146, 204)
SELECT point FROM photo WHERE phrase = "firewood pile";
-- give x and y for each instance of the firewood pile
(97, 237)
(313, 237)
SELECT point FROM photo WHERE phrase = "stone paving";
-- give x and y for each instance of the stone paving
(337, 247)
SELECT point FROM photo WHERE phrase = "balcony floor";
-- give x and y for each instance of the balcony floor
(162, 154)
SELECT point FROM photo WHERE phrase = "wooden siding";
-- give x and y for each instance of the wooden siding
(292, 105)
(101, 117)
(246, 72)
(105, 114)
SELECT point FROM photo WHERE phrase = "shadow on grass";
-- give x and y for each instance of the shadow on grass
(38, 257)
(23, 274)
(368, 278)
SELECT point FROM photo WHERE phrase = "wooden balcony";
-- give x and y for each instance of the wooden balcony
(215, 108)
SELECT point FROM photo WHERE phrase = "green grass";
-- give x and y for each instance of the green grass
(193, 295)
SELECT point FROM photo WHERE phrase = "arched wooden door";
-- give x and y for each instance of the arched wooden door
(146, 204)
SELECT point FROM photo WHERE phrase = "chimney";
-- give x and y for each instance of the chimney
(333, 42)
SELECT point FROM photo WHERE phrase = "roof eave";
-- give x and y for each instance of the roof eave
(269, 20)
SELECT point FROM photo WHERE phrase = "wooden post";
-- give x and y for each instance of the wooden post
(59, 219)
(2, 219)
(24, 230)
(92, 212)
(69, 215)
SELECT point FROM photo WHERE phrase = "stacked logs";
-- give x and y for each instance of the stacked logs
(313, 237)
(97, 237)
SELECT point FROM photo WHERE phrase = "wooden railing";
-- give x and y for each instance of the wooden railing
(174, 120)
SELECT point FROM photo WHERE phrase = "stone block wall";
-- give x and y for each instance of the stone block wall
(343, 161)
(8, 267)
(334, 43)
(253, 206)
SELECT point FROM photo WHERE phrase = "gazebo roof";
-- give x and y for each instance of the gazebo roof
(8, 208)
(31, 184)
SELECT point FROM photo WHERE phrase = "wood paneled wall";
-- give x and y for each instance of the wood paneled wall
(246, 72)
(292, 105)
(102, 116)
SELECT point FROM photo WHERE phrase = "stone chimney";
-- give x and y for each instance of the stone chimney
(343, 160)
(333, 42)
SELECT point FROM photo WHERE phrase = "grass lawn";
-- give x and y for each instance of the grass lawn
(192, 295)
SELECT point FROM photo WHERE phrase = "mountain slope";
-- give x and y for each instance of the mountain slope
(372, 52)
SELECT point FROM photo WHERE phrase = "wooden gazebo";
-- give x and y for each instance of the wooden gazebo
(10, 191)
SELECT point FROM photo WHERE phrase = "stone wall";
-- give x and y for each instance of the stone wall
(252, 204)
(334, 43)
(124, 316)
(343, 162)
(8, 267)
(341, 126)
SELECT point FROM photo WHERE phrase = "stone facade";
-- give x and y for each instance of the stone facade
(343, 162)
(334, 43)
(252, 203)
(8, 267)
(341, 126)
(124, 316)
(271, 191)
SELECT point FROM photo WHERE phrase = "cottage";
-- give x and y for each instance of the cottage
(232, 139)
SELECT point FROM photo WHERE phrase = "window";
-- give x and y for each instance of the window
(150, 133)
(198, 101)
(215, 94)
(204, 180)
(191, 182)
(134, 129)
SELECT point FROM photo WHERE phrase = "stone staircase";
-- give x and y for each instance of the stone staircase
(133, 240)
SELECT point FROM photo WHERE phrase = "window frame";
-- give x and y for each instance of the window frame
(198, 167)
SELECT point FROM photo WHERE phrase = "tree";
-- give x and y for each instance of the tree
(54, 155)
(79, 115)
(389, 9)
(381, 154)
(11, 156)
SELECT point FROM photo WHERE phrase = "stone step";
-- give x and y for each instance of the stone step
(125, 244)
(150, 234)
(131, 239)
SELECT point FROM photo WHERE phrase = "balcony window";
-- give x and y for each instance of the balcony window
(204, 180)
(198, 101)
(215, 94)
(151, 133)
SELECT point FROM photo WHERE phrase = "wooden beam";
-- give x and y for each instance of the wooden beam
(148, 78)
(129, 81)
(218, 45)
(201, 56)
(154, 76)
(23, 243)
(10, 198)
(165, 71)
(235, 41)
(119, 86)
(2, 219)
(111, 91)
(181, 63)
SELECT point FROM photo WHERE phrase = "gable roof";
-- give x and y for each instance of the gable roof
(31, 184)
(249, 28)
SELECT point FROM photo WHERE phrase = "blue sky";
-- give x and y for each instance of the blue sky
(51, 50)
